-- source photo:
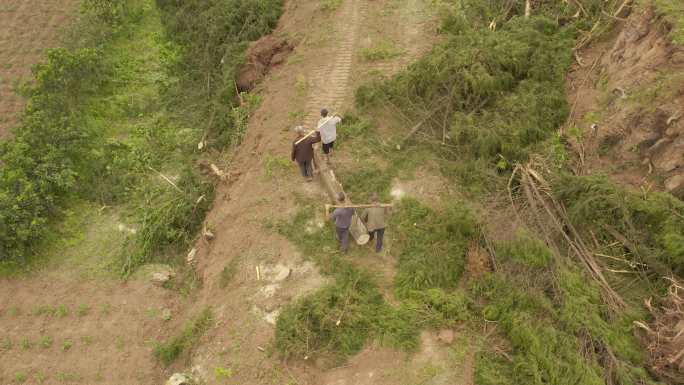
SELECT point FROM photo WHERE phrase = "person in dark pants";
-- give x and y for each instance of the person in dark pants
(375, 218)
(302, 152)
(327, 127)
(342, 217)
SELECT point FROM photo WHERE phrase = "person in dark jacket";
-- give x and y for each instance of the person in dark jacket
(302, 152)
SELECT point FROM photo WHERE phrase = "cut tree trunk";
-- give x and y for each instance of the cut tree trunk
(333, 188)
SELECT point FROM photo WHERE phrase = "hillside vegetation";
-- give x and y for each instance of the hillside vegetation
(115, 118)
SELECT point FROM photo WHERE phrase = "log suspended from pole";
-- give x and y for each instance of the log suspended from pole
(333, 187)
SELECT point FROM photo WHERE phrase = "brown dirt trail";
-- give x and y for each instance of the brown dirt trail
(321, 73)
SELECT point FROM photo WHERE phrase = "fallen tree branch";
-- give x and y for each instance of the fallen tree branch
(550, 215)
(167, 179)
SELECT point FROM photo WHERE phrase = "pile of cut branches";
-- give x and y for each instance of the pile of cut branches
(664, 336)
(529, 190)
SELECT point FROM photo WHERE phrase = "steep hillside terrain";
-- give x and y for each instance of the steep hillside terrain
(155, 230)
(627, 96)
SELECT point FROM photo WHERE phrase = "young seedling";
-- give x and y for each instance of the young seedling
(61, 311)
(40, 377)
(20, 377)
(43, 310)
(12, 311)
(68, 344)
(105, 309)
(45, 342)
(223, 373)
(83, 310)
(25, 343)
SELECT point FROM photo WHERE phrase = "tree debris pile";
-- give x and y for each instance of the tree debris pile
(664, 335)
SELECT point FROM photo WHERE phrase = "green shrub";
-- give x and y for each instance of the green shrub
(432, 245)
(336, 321)
(502, 90)
(211, 36)
(53, 150)
(189, 336)
(169, 218)
(438, 308)
(548, 320)
(382, 50)
(548, 330)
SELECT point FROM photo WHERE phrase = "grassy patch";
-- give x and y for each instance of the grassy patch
(330, 5)
(525, 250)
(228, 273)
(432, 245)
(336, 321)
(550, 312)
(673, 11)
(382, 50)
(188, 337)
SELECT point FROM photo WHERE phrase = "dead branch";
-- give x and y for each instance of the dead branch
(168, 180)
(664, 335)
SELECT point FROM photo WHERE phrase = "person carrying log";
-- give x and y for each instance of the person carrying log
(327, 127)
(375, 220)
(302, 152)
(342, 216)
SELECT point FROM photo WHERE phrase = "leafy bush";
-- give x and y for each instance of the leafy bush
(432, 245)
(53, 151)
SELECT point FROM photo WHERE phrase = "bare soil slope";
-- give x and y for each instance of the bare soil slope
(628, 97)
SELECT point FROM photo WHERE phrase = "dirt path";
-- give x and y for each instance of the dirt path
(330, 81)
(321, 73)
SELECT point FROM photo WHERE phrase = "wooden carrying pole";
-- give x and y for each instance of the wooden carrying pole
(313, 131)
(384, 205)
(305, 136)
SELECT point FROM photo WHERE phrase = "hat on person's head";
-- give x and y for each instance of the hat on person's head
(324, 112)
(340, 197)
(299, 129)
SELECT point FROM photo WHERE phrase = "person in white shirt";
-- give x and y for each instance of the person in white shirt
(327, 126)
